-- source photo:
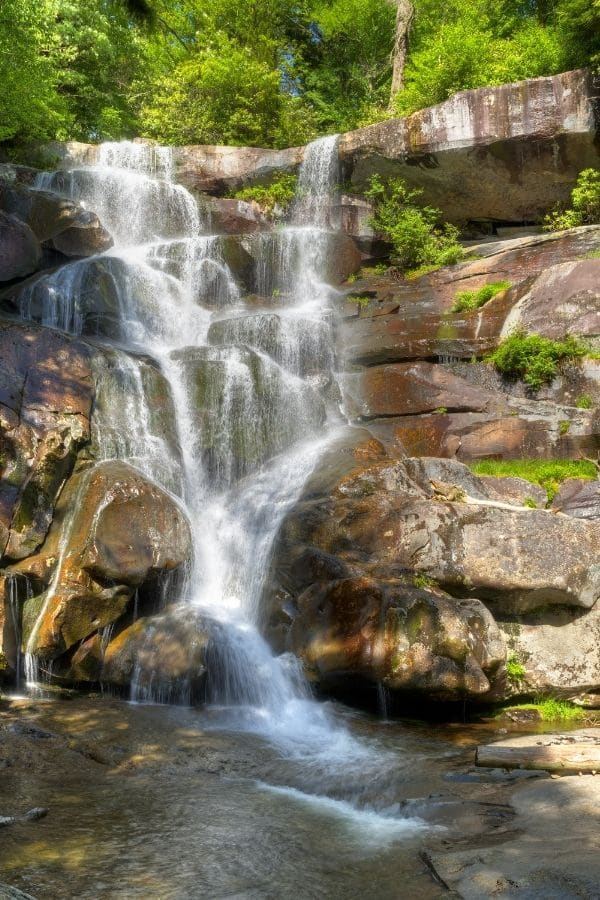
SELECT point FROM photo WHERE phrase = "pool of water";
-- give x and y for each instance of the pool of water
(165, 802)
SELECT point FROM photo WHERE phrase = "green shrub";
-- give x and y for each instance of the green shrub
(280, 193)
(549, 473)
(534, 358)
(563, 426)
(585, 200)
(467, 300)
(530, 503)
(360, 299)
(584, 402)
(424, 581)
(515, 670)
(415, 232)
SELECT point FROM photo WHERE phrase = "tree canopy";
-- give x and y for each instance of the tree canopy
(265, 72)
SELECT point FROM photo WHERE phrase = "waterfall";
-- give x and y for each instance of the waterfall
(245, 386)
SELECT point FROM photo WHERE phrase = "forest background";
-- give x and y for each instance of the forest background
(268, 73)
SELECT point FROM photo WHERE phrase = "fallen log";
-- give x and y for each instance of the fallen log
(576, 757)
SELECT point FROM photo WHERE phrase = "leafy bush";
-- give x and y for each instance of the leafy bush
(467, 300)
(515, 670)
(584, 402)
(534, 358)
(585, 209)
(548, 473)
(414, 231)
(280, 193)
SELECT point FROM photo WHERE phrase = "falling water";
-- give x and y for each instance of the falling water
(251, 418)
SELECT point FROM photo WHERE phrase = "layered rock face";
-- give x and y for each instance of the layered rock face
(504, 154)
(402, 568)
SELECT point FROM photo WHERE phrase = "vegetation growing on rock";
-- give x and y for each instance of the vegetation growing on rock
(468, 300)
(549, 473)
(417, 235)
(279, 193)
(585, 205)
(533, 358)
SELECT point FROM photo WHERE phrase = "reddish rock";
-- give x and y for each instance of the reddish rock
(565, 299)
(403, 637)
(45, 403)
(236, 217)
(113, 531)
(579, 498)
(406, 389)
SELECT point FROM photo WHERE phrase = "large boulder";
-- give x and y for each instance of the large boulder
(525, 142)
(20, 250)
(63, 223)
(164, 655)
(420, 536)
(113, 532)
(403, 637)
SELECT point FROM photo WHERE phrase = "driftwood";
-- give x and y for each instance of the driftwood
(563, 757)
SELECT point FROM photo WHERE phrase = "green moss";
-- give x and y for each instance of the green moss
(360, 299)
(441, 410)
(534, 358)
(530, 502)
(551, 709)
(549, 473)
(467, 300)
(591, 254)
(424, 581)
(413, 274)
(563, 426)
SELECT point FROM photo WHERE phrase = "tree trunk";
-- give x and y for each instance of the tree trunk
(576, 757)
(404, 17)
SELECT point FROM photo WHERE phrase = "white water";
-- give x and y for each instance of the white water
(251, 423)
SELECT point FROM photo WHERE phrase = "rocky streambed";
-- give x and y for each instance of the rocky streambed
(153, 802)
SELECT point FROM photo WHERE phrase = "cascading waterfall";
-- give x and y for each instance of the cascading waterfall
(246, 383)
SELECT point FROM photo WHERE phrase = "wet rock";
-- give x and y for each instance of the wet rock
(165, 654)
(236, 217)
(20, 251)
(83, 297)
(85, 236)
(45, 402)
(579, 498)
(247, 408)
(113, 531)
(406, 638)
(63, 223)
(407, 389)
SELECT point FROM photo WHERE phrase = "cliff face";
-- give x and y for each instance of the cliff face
(504, 153)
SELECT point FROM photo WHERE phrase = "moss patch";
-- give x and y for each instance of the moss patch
(548, 473)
